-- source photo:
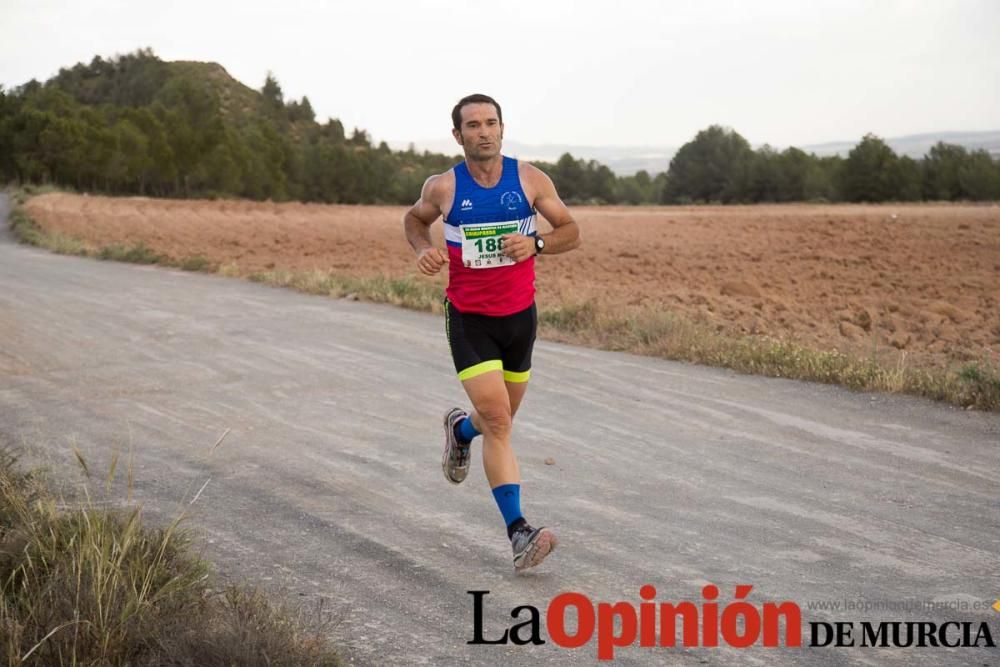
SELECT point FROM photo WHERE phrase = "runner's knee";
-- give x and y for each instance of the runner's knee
(495, 419)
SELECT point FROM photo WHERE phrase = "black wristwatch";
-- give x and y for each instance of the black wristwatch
(539, 245)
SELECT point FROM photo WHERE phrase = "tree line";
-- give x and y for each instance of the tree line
(137, 125)
(719, 166)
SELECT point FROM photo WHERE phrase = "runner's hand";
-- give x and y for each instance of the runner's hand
(518, 246)
(431, 260)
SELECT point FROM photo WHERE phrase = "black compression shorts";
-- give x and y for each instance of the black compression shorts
(480, 343)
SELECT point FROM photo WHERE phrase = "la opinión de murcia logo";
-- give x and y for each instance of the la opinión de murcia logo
(738, 623)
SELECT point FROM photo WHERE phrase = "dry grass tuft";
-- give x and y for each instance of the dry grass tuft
(92, 585)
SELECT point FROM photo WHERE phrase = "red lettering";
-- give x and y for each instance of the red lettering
(606, 638)
(710, 617)
(751, 624)
(668, 624)
(647, 617)
(751, 620)
(793, 623)
(555, 620)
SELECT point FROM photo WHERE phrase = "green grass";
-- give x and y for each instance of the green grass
(136, 253)
(29, 190)
(980, 384)
(25, 229)
(651, 333)
(196, 263)
(407, 292)
(670, 336)
(93, 585)
(570, 318)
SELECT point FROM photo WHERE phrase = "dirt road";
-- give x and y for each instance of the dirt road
(329, 484)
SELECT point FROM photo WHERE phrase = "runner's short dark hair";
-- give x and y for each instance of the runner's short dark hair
(478, 98)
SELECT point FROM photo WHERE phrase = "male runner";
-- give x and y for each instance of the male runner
(488, 203)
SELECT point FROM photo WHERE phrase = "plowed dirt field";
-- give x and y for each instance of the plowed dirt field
(924, 279)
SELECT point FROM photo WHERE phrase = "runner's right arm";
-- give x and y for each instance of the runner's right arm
(417, 225)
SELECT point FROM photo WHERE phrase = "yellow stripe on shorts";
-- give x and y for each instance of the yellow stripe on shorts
(511, 376)
(479, 369)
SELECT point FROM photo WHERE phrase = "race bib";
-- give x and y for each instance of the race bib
(482, 247)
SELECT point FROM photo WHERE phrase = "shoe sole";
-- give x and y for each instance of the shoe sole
(447, 443)
(538, 550)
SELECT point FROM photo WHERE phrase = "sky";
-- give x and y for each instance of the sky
(629, 73)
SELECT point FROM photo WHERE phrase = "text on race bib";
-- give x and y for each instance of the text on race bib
(482, 247)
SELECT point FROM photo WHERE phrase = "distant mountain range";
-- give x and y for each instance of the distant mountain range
(627, 160)
(917, 145)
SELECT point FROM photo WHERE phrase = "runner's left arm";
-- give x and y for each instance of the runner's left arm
(565, 234)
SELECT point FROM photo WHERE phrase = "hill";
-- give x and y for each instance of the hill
(135, 124)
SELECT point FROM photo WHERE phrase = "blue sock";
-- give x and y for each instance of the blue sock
(466, 430)
(508, 497)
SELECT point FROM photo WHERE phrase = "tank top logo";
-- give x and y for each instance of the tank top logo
(510, 200)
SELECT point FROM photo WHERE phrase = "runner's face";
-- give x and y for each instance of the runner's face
(481, 133)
